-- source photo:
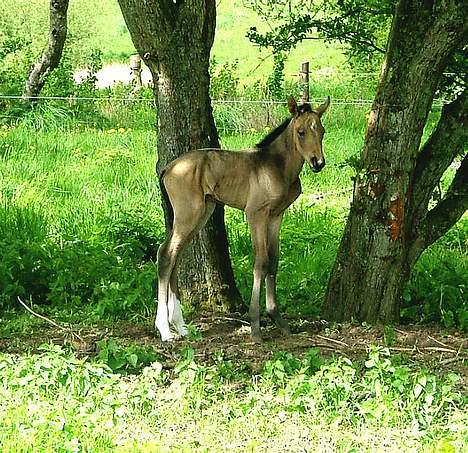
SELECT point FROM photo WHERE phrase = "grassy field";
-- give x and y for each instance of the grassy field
(55, 402)
(105, 30)
(79, 225)
(234, 19)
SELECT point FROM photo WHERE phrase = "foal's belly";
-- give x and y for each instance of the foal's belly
(255, 193)
(231, 194)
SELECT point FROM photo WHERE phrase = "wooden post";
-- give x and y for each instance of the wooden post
(304, 81)
(135, 68)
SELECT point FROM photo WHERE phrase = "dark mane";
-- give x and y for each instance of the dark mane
(273, 135)
(304, 108)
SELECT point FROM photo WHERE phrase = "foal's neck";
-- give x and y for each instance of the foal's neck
(293, 161)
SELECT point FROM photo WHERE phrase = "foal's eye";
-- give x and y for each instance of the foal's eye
(301, 132)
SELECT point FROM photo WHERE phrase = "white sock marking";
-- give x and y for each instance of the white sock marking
(175, 314)
(162, 321)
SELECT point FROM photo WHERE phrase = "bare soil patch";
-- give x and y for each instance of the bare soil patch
(440, 350)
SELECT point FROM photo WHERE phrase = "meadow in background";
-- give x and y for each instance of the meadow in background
(80, 224)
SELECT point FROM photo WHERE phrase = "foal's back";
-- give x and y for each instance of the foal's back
(228, 177)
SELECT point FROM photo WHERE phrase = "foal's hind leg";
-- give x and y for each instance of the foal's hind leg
(174, 306)
(187, 221)
(175, 315)
(167, 257)
(270, 279)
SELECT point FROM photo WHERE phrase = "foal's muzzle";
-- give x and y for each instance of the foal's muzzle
(317, 164)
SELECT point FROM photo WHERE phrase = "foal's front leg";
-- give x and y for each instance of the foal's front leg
(273, 257)
(258, 226)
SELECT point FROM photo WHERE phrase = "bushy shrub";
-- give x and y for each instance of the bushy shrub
(224, 80)
(111, 277)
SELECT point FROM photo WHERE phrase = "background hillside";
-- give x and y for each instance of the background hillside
(100, 26)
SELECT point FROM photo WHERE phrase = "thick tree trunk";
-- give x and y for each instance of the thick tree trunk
(378, 250)
(52, 54)
(175, 39)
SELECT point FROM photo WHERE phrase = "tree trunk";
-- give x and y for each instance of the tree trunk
(174, 39)
(52, 54)
(385, 233)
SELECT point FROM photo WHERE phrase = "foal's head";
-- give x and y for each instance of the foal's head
(308, 132)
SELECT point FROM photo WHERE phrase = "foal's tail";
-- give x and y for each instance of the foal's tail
(167, 206)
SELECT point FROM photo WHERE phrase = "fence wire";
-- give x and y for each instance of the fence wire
(335, 101)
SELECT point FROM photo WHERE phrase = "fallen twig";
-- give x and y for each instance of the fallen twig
(399, 349)
(53, 323)
(401, 331)
(315, 344)
(451, 360)
(433, 348)
(438, 342)
(342, 343)
(227, 318)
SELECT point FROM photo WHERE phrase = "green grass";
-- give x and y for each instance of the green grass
(55, 402)
(106, 30)
(80, 207)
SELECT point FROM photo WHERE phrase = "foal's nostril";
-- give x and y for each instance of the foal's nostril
(317, 164)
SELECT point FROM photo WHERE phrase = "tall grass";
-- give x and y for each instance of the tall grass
(81, 219)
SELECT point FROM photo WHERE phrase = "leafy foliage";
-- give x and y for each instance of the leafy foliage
(359, 24)
(55, 401)
(224, 80)
(121, 359)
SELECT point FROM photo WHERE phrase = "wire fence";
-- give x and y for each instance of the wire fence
(232, 116)
(316, 100)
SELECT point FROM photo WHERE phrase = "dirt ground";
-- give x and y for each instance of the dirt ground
(440, 350)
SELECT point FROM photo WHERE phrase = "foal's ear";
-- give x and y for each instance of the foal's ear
(292, 106)
(323, 108)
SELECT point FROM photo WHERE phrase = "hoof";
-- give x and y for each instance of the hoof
(164, 331)
(182, 331)
(257, 338)
(285, 330)
(255, 333)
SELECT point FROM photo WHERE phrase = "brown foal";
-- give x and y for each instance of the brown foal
(262, 182)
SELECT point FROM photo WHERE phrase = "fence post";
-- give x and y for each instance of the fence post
(135, 68)
(304, 81)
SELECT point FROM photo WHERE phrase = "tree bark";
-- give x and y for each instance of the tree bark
(52, 54)
(378, 250)
(174, 39)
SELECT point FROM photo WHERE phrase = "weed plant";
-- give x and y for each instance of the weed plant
(54, 401)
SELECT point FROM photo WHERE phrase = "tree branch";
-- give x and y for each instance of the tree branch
(450, 209)
(52, 54)
(351, 38)
(445, 143)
